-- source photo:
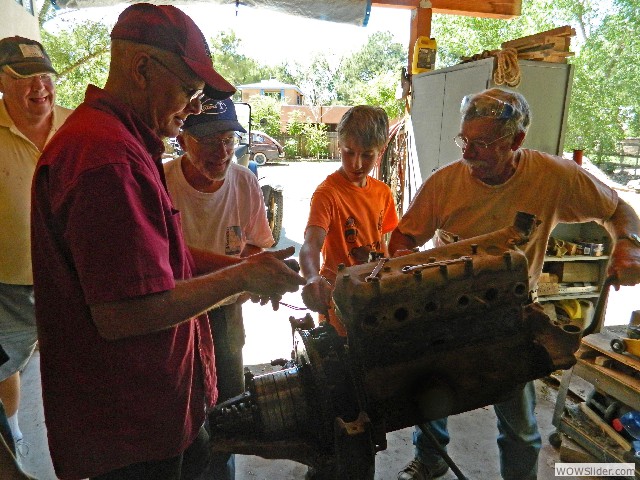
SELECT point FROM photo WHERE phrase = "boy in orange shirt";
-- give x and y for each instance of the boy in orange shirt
(350, 211)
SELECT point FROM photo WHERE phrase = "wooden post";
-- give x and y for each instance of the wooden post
(420, 26)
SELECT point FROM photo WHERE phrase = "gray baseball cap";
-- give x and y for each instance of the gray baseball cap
(24, 57)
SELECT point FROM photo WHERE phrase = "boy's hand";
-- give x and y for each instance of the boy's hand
(316, 294)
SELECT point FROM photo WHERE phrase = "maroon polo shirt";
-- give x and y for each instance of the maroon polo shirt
(104, 229)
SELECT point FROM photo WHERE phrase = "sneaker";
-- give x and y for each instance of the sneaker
(22, 450)
(416, 470)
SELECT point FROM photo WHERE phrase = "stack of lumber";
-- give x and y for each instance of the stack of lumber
(550, 46)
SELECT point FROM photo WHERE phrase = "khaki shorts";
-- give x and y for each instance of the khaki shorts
(18, 334)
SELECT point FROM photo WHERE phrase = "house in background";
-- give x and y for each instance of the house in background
(291, 100)
(283, 92)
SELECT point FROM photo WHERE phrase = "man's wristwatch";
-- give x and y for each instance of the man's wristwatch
(632, 237)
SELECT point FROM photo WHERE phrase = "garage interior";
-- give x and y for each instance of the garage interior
(576, 406)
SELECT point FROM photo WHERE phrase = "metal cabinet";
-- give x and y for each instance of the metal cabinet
(435, 108)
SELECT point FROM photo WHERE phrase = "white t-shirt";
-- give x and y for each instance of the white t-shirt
(554, 189)
(224, 221)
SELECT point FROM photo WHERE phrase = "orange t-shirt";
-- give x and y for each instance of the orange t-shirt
(355, 218)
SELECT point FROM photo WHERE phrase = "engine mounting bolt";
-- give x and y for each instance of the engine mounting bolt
(507, 259)
(443, 270)
(346, 277)
(341, 266)
(468, 266)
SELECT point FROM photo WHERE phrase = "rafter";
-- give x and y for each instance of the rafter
(475, 8)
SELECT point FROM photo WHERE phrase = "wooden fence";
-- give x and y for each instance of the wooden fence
(621, 166)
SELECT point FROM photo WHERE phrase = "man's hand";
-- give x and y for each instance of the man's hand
(401, 244)
(266, 274)
(316, 294)
(625, 263)
(274, 299)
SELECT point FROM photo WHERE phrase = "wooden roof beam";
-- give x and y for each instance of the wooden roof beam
(503, 9)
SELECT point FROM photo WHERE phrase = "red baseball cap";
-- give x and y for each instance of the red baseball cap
(169, 28)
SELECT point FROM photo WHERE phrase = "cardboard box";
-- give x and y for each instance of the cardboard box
(548, 278)
(546, 288)
(570, 272)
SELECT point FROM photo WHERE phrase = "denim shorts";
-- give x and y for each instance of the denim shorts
(18, 334)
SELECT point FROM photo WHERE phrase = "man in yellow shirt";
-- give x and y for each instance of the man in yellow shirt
(28, 119)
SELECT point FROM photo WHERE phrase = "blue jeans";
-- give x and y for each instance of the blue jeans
(518, 440)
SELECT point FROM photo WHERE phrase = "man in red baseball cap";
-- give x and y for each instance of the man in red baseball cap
(127, 356)
(167, 28)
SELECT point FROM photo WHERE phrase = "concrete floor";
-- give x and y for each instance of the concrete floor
(473, 447)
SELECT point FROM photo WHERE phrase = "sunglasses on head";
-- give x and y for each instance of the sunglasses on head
(486, 106)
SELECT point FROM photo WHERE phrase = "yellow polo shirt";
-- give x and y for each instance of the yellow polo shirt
(18, 157)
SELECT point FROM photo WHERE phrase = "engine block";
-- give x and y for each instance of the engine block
(429, 334)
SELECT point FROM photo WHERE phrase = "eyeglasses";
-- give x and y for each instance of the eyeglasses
(46, 78)
(191, 93)
(486, 106)
(229, 141)
(464, 143)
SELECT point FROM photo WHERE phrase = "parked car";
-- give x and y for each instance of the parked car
(264, 148)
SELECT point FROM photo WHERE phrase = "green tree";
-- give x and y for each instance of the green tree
(316, 80)
(605, 104)
(265, 114)
(381, 91)
(295, 124)
(377, 57)
(80, 55)
(237, 68)
(315, 139)
(462, 36)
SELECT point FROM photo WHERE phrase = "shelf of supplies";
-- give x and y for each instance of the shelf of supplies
(575, 258)
(613, 374)
(563, 296)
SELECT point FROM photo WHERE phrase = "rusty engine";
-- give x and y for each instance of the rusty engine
(429, 334)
